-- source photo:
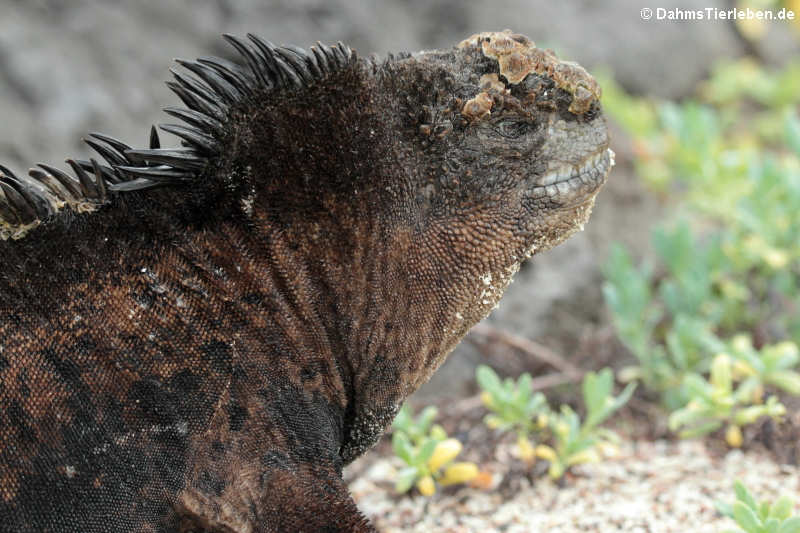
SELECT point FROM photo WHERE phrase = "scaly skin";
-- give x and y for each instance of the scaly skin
(207, 356)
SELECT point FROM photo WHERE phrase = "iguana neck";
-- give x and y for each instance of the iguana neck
(347, 305)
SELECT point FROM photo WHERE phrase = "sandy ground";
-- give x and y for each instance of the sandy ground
(656, 487)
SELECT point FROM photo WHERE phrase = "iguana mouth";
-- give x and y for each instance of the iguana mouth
(575, 182)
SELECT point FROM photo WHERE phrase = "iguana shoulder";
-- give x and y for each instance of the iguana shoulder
(199, 338)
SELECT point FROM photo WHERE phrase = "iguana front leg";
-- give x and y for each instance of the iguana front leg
(269, 462)
(290, 498)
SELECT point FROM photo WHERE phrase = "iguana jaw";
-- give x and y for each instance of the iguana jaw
(574, 183)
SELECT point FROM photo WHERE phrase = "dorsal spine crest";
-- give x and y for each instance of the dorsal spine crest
(214, 88)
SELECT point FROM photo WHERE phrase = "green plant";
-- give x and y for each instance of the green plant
(716, 402)
(771, 365)
(731, 267)
(418, 428)
(576, 442)
(686, 300)
(764, 517)
(513, 405)
(427, 453)
(734, 392)
(628, 293)
(734, 82)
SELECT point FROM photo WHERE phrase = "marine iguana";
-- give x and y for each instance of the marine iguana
(200, 338)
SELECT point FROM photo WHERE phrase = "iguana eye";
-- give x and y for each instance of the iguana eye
(514, 128)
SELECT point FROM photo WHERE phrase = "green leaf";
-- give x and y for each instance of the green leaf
(702, 429)
(744, 392)
(763, 510)
(684, 417)
(402, 447)
(723, 508)
(790, 526)
(438, 433)
(596, 388)
(746, 517)
(508, 388)
(721, 373)
(488, 379)
(774, 408)
(743, 495)
(425, 452)
(426, 418)
(536, 405)
(782, 508)
(624, 396)
(403, 418)
(771, 525)
(792, 132)
(405, 479)
(676, 350)
(786, 380)
(524, 389)
(697, 387)
(781, 356)
(749, 415)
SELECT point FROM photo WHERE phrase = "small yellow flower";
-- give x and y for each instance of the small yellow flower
(426, 486)
(556, 470)
(547, 453)
(754, 244)
(742, 369)
(787, 348)
(589, 455)
(733, 436)
(486, 398)
(629, 373)
(752, 28)
(748, 415)
(526, 450)
(758, 395)
(775, 258)
(461, 472)
(438, 432)
(542, 420)
(777, 410)
(608, 449)
(721, 374)
(562, 428)
(794, 5)
(445, 451)
(492, 421)
(741, 343)
(734, 291)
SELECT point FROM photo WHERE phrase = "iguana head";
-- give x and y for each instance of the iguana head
(512, 148)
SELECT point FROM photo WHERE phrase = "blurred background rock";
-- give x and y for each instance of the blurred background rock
(68, 67)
